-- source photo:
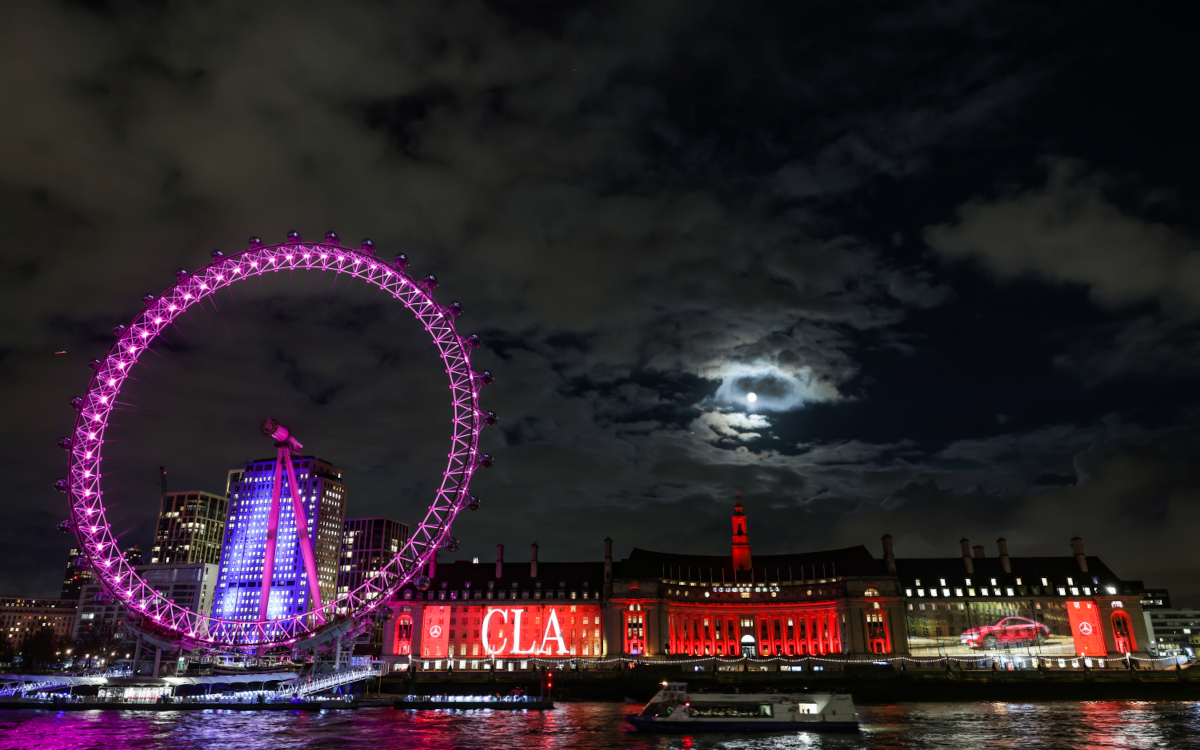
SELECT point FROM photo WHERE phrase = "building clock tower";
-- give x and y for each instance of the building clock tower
(741, 541)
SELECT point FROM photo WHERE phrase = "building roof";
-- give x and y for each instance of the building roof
(848, 561)
(1030, 569)
(571, 576)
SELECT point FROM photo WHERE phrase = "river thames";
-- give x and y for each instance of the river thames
(600, 726)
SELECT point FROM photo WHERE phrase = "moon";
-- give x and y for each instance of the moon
(751, 397)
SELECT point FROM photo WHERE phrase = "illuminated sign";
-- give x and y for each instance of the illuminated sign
(497, 631)
(550, 637)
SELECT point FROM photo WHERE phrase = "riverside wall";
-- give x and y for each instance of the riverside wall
(867, 685)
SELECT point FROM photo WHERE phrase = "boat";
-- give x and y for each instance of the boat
(674, 709)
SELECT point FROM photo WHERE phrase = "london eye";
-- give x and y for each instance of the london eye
(157, 617)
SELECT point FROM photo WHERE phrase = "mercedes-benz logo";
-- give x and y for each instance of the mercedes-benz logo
(1085, 628)
(436, 631)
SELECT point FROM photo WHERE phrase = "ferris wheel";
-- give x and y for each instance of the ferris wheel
(157, 617)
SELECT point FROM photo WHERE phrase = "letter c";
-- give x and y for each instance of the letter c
(487, 649)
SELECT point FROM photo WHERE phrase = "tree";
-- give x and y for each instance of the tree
(7, 652)
(40, 649)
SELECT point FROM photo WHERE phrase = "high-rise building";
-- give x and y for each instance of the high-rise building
(79, 570)
(133, 556)
(191, 528)
(190, 585)
(79, 574)
(367, 545)
(239, 583)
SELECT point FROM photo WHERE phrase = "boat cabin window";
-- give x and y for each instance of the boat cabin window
(657, 710)
(732, 710)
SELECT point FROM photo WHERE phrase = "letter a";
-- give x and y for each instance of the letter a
(553, 623)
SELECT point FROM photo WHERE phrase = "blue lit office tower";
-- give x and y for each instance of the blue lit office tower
(239, 582)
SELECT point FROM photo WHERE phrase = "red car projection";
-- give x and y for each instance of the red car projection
(1010, 630)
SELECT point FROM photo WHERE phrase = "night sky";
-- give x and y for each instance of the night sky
(951, 247)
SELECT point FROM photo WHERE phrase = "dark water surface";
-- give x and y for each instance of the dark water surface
(600, 726)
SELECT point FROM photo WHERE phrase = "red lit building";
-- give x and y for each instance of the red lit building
(833, 605)
(809, 604)
(475, 612)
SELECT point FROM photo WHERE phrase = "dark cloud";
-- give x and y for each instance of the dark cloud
(648, 211)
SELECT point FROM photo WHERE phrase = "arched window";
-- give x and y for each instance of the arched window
(871, 592)
(404, 633)
(1123, 632)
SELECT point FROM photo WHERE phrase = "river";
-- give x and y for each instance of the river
(599, 726)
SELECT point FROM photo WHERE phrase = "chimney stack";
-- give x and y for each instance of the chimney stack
(433, 566)
(966, 550)
(607, 568)
(889, 557)
(533, 563)
(1005, 561)
(499, 560)
(978, 551)
(1077, 549)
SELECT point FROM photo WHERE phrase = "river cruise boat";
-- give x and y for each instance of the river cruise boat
(674, 709)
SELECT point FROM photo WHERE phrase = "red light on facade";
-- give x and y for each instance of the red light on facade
(546, 630)
(1086, 628)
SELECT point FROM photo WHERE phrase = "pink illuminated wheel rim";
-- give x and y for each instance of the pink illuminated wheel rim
(160, 618)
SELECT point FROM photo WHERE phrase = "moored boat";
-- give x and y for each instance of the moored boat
(674, 709)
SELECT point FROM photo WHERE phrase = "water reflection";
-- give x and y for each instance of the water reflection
(599, 726)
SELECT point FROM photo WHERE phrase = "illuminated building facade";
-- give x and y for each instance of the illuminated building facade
(506, 611)
(79, 570)
(239, 583)
(367, 545)
(191, 528)
(21, 617)
(190, 585)
(831, 605)
(79, 574)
